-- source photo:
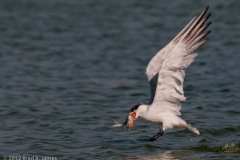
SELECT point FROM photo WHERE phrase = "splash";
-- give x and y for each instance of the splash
(230, 148)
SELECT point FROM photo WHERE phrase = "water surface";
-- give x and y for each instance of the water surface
(69, 67)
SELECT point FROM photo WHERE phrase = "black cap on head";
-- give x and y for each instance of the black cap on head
(135, 107)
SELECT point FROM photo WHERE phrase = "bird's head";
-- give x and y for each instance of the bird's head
(132, 116)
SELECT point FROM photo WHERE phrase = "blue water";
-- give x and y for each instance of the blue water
(69, 67)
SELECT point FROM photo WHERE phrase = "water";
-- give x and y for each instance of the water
(69, 67)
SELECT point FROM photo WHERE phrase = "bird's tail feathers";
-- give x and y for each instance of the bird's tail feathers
(193, 129)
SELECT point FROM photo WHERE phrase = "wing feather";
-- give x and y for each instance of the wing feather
(168, 66)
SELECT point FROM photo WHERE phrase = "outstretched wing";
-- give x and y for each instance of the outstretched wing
(166, 70)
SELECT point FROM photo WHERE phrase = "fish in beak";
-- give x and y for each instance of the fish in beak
(131, 118)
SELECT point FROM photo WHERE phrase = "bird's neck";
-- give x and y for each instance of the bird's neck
(142, 110)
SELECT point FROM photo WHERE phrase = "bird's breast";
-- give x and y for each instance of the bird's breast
(152, 116)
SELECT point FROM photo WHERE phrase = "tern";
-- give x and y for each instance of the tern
(166, 72)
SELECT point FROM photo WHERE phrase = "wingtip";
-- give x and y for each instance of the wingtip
(205, 11)
(209, 14)
(209, 23)
(207, 7)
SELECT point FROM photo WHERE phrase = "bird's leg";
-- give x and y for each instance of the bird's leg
(159, 133)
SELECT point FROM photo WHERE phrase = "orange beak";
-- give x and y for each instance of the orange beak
(133, 114)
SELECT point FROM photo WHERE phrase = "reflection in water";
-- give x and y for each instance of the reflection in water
(173, 155)
(161, 156)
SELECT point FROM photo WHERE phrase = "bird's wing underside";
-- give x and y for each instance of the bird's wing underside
(166, 70)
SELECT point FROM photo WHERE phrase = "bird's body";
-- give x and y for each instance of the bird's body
(166, 72)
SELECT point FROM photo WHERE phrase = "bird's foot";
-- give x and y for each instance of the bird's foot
(154, 138)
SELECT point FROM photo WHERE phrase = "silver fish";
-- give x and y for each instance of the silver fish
(131, 118)
(128, 121)
(116, 124)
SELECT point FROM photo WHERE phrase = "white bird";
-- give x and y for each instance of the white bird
(166, 72)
